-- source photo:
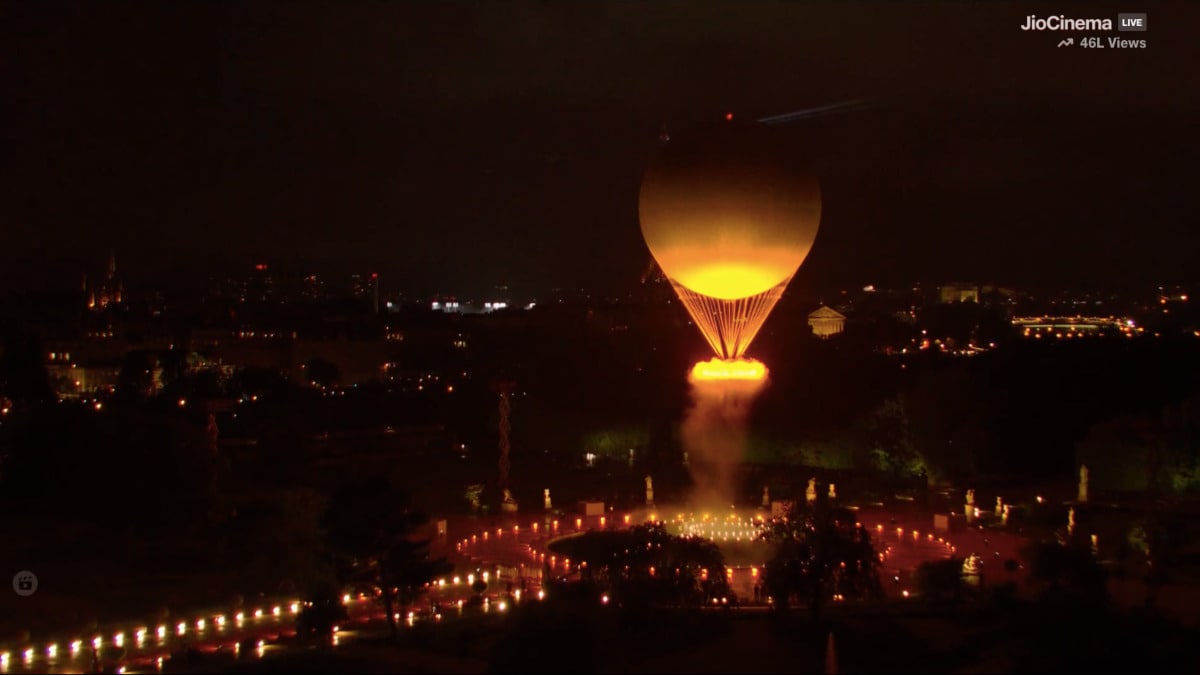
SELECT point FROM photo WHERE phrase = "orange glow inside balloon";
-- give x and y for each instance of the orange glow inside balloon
(731, 213)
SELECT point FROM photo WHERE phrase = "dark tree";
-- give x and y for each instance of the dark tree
(941, 580)
(285, 441)
(321, 372)
(885, 433)
(136, 378)
(372, 531)
(174, 364)
(322, 610)
(280, 537)
(820, 551)
(202, 385)
(1120, 453)
(1161, 538)
(646, 565)
(107, 466)
(945, 425)
(1066, 571)
(254, 381)
(23, 377)
(1180, 440)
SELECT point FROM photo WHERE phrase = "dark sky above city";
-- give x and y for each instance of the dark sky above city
(455, 145)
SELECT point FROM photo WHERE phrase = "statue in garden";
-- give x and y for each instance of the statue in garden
(473, 495)
(508, 504)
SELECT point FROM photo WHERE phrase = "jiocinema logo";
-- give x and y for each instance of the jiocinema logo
(1060, 22)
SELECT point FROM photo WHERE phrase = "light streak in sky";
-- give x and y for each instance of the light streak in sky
(818, 111)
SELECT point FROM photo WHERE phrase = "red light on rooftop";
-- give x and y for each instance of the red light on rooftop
(261, 267)
(374, 275)
(728, 117)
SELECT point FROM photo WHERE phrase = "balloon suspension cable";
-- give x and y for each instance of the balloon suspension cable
(730, 326)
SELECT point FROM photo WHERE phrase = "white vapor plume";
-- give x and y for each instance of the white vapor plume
(714, 436)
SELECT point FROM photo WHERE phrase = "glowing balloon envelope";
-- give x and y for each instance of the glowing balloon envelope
(729, 215)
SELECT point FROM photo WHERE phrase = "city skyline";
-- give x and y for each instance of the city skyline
(194, 143)
(98, 286)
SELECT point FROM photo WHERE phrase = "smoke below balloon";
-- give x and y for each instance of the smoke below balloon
(714, 435)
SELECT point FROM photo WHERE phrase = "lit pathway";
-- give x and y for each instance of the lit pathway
(250, 632)
(906, 537)
(508, 552)
(148, 646)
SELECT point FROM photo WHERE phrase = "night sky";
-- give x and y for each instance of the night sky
(452, 146)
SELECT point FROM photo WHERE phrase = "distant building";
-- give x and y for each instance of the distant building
(959, 292)
(449, 306)
(312, 288)
(1002, 291)
(108, 292)
(826, 322)
(85, 366)
(1172, 295)
(365, 287)
(73, 381)
(455, 307)
(1075, 326)
(260, 286)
